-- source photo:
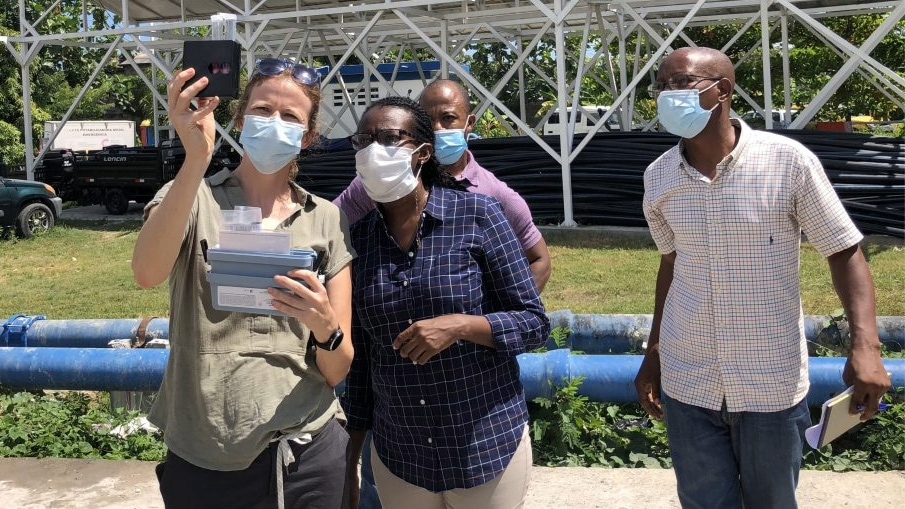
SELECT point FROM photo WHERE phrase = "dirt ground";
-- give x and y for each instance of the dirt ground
(99, 213)
(99, 484)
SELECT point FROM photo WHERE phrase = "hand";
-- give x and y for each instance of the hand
(647, 384)
(864, 369)
(309, 304)
(425, 339)
(196, 128)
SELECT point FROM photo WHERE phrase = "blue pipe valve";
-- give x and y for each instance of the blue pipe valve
(15, 330)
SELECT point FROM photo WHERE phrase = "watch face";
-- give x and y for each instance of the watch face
(332, 342)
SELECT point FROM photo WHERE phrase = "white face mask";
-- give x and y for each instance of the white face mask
(270, 142)
(386, 172)
(681, 113)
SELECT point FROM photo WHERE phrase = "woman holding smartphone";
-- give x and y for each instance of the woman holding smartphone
(247, 405)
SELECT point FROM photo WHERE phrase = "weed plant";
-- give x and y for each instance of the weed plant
(70, 425)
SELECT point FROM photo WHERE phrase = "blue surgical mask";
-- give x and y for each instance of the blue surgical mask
(449, 145)
(270, 142)
(681, 113)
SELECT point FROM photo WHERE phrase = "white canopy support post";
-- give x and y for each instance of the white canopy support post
(765, 61)
(577, 110)
(565, 135)
(444, 42)
(477, 86)
(786, 68)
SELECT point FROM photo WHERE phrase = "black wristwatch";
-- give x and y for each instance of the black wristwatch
(332, 342)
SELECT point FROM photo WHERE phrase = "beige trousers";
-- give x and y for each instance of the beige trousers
(506, 491)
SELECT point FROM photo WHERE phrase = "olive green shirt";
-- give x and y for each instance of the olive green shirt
(234, 381)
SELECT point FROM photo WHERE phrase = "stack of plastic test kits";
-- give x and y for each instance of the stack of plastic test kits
(246, 260)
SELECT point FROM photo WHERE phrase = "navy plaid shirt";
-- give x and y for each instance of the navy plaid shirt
(456, 421)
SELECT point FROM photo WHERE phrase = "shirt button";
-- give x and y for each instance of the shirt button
(430, 440)
(411, 254)
(422, 402)
(405, 283)
(410, 321)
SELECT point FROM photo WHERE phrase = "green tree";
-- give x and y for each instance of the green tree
(64, 70)
(858, 95)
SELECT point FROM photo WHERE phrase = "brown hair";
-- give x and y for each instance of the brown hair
(312, 92)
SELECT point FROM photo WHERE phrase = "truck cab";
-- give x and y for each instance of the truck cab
(30, 208)
(117, 174)
(56, 169)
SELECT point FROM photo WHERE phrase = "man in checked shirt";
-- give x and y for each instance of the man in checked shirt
(726, 361)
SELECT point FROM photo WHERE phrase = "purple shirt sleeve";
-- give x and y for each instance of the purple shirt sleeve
(354, 201)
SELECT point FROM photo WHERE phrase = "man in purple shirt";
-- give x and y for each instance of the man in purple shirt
(446, 102)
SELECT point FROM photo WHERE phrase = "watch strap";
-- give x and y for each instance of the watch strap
(332, 343)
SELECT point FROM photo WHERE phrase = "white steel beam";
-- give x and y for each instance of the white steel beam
(765, 62)
(858, 56)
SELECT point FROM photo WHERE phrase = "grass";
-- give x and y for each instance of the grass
(77, 270)
(617, 275)
(82, 270)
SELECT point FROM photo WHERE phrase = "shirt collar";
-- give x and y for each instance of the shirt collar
(727, 165)
(436, 207)
(471, 172)
(227, 178)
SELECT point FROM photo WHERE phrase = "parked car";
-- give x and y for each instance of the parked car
(30, 208)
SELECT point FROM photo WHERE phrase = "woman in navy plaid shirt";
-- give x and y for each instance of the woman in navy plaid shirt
(444, 301)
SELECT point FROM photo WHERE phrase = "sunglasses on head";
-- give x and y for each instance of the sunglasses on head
(276, 66)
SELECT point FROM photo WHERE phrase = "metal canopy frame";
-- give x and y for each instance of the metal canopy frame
(373, 30)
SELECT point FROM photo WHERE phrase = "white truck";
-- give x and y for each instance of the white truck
(85, 135)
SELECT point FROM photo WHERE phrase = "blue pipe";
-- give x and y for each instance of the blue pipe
(607, 334)
(611, 377)
(607, 377)
(97, 369)
(592, 334)
(37, 331)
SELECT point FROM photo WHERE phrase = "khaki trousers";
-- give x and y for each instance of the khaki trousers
(507, 491)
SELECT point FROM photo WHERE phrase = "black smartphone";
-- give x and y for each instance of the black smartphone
(219, 61)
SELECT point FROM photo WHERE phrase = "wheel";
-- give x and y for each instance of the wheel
(34, 219)
(116, 201)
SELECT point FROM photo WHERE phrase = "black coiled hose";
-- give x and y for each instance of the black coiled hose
(867, 172)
